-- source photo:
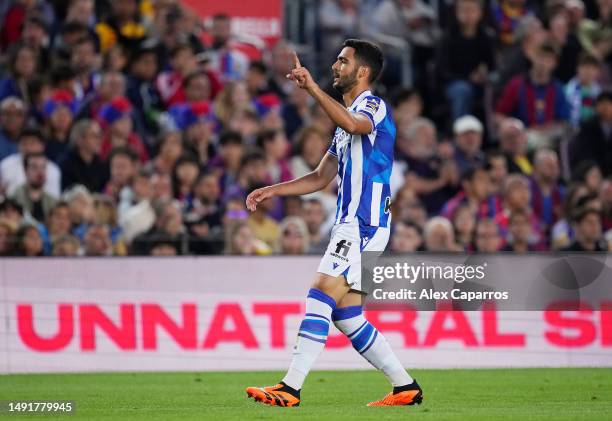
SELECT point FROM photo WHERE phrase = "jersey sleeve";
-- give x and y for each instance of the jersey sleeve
(332, 147)
(374, 108)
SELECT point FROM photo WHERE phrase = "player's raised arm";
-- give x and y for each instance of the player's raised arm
(309, 183)
(353, 123)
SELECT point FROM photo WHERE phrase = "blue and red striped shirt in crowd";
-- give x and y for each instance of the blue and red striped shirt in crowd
(534, 104)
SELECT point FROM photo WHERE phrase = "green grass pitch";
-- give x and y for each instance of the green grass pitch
(508, 394)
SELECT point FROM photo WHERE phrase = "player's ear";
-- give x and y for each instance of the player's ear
(363, 71)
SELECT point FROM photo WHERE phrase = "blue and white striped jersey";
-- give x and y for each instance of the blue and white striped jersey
(364, 165)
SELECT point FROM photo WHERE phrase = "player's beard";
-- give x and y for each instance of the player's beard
(346, 83)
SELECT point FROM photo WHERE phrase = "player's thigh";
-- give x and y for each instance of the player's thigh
(334, 286)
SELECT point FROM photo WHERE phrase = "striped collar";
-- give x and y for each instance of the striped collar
(359, 98)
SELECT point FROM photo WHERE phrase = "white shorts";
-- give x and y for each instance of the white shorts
(343, 254)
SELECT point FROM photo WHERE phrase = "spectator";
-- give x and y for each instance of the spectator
(138, 215)
(497, 168)
(197, 87)
(203, 215)
(432, 178)
(7, 237)
(519, 239)
(513, 143)
(66, 246)
(506, 15)
(229, 62)
(439, 236)
(536, 98)
(281, 62)
(164, 249)
(83, 164)
(13, 115)
(11, 211)
(517, 197)
(29, 242)
(168, 228)
(85, 61)
(595, 136)
(294, 239)
(311, 145)
(232, 100)
(468, 141)
(58, 111)
(466, 55)
(123, 164)
(566, 42)
(12, 172)
(123, 25)
(411, 21)
(338, 20)
(546, 192)
(595, 33)
(82, 11)
(314, 217)
(229, 161)
(169, 149)
(587, 226)
(588, 174)
(487, 237)
(241, 241)
(464, 221)
(35, 34)
(142, 92)
(97, 241)
(582, 90)
(115, 118)
(184, 176)
(82, 211)
(68, 34)
(407, 207)
(31, 195)
(407, 238)
(515, 58)
(24, 63)
(275, 146)
(170, 82)
(407, 106)
(562, 233)
(252, 171)
(112, 86)
(264, 227)
(106, 214)
(474, 191)
(57, 225)
(194, 119)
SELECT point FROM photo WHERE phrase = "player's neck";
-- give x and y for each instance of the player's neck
(349, 96)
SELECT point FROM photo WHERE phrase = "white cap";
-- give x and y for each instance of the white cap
(467, 123)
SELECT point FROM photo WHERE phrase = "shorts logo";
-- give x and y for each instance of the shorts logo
(343, 247)
(335, 265)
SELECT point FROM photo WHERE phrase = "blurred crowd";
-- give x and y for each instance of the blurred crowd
(131, 127)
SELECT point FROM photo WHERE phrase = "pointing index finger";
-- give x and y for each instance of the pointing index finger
(296, 61)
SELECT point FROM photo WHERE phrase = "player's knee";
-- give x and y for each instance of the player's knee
(335, 287)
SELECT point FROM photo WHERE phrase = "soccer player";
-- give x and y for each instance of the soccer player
(361, 153)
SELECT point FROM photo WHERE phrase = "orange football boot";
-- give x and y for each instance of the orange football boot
(277, 395)
(414, 395)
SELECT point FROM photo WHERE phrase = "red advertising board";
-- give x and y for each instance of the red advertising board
(227, 313)
(261, 18)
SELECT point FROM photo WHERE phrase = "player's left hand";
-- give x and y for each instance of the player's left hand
(300, 75)
(258, 196)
